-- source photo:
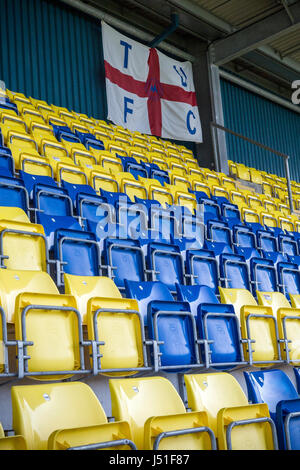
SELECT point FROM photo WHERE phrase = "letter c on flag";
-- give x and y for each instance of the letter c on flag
(188, 124)
(126, 109)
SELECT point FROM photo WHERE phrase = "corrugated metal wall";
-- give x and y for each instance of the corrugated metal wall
(267, 123)
(52, 52)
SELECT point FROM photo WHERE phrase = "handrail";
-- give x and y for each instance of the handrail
(215, 127)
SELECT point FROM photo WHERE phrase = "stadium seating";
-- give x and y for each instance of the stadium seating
(120, 258)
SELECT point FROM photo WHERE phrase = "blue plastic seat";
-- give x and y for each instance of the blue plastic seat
(217, 325)
(53, 223)
(75, 191)
(202, 268)
(13, 193)
(146, 292)
(219, 232)
(243, 237)
(7, 165)
(274, 388)
(263, 275)
(133, 220)
(51, 200)
(166, 263)
(93, 210)
(211, 210)
(234, 271)
(30, 181)
(77, 253)
(288, 245)
(288, 278)
(173, 327)
(124, 259)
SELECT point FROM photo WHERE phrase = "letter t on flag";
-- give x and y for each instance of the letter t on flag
(148, 91)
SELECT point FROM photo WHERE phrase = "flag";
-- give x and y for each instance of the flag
(148, 91)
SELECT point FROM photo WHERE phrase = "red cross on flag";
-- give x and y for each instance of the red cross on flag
(148, 91)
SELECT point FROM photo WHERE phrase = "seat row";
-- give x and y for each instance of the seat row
(150, 414)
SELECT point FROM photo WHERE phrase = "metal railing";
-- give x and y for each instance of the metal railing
(214, 129)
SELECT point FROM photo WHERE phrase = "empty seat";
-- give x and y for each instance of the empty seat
(23, 245)
(236, 424)
(218, 327)
(116, 326)
(274, 388)
(124, 259)
(288, 320)
(163, 424)
(64, 415)
(202, 268)
(146, 292)
(166, 264)
(258, 326)
(76, 253)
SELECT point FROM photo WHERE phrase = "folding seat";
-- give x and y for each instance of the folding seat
(146, 292)
(29, 116)
(101, 179)
(54, 150)
(154, 172)
(211, 209)
(32, 183)
(77, 191)
(236, 424)
(65, 169)
(22, 144)
(234, 271)
(274, 388)
(258, 327)
(288, 278)
(76, 252)
(132, 166)
(124, 259)
(77, 419)
(219, 233)
(183, 198)
(138, 154)
(166, 264)
(219, 330)
(23, 245)
(263, 275)
(172, 327)
(164, 423)
(129, 185)
(202, 268)
(159, 160)
(108, 161)
(42, 133)
(157, 192)
(10, 124)
(288, 323)
(7, 164)
(14, 194)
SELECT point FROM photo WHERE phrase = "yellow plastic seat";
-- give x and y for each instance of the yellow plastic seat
(267, 218)
(152, 406)
(288, 320)
(65, 169)
(159, 160)
(117, 323)
(254, 201)
(15, 282)
(138, 154)
(198, 185)
(220, 191)
(21, 144)
(157, 192)
(55, 334)
(108, 162)
(257, 324)
(11, 442)
(9, 123)
(255, 176)
(52, 149)
(269, 204)
(101, 178)
(61, 416)
(116, 149)
(41, 132)
(267, 189)
(36, 165)
(84, 288)
(236, 197)
(221, 397)
(181, 182)
(129, 185)
(23, 245)
(248, 215)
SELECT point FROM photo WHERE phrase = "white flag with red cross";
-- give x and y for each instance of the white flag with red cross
(148, 91)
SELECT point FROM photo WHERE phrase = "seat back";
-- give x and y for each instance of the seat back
(146, 292)
(136, 400)
(38, 410)
(237, 297)
(12, 283)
